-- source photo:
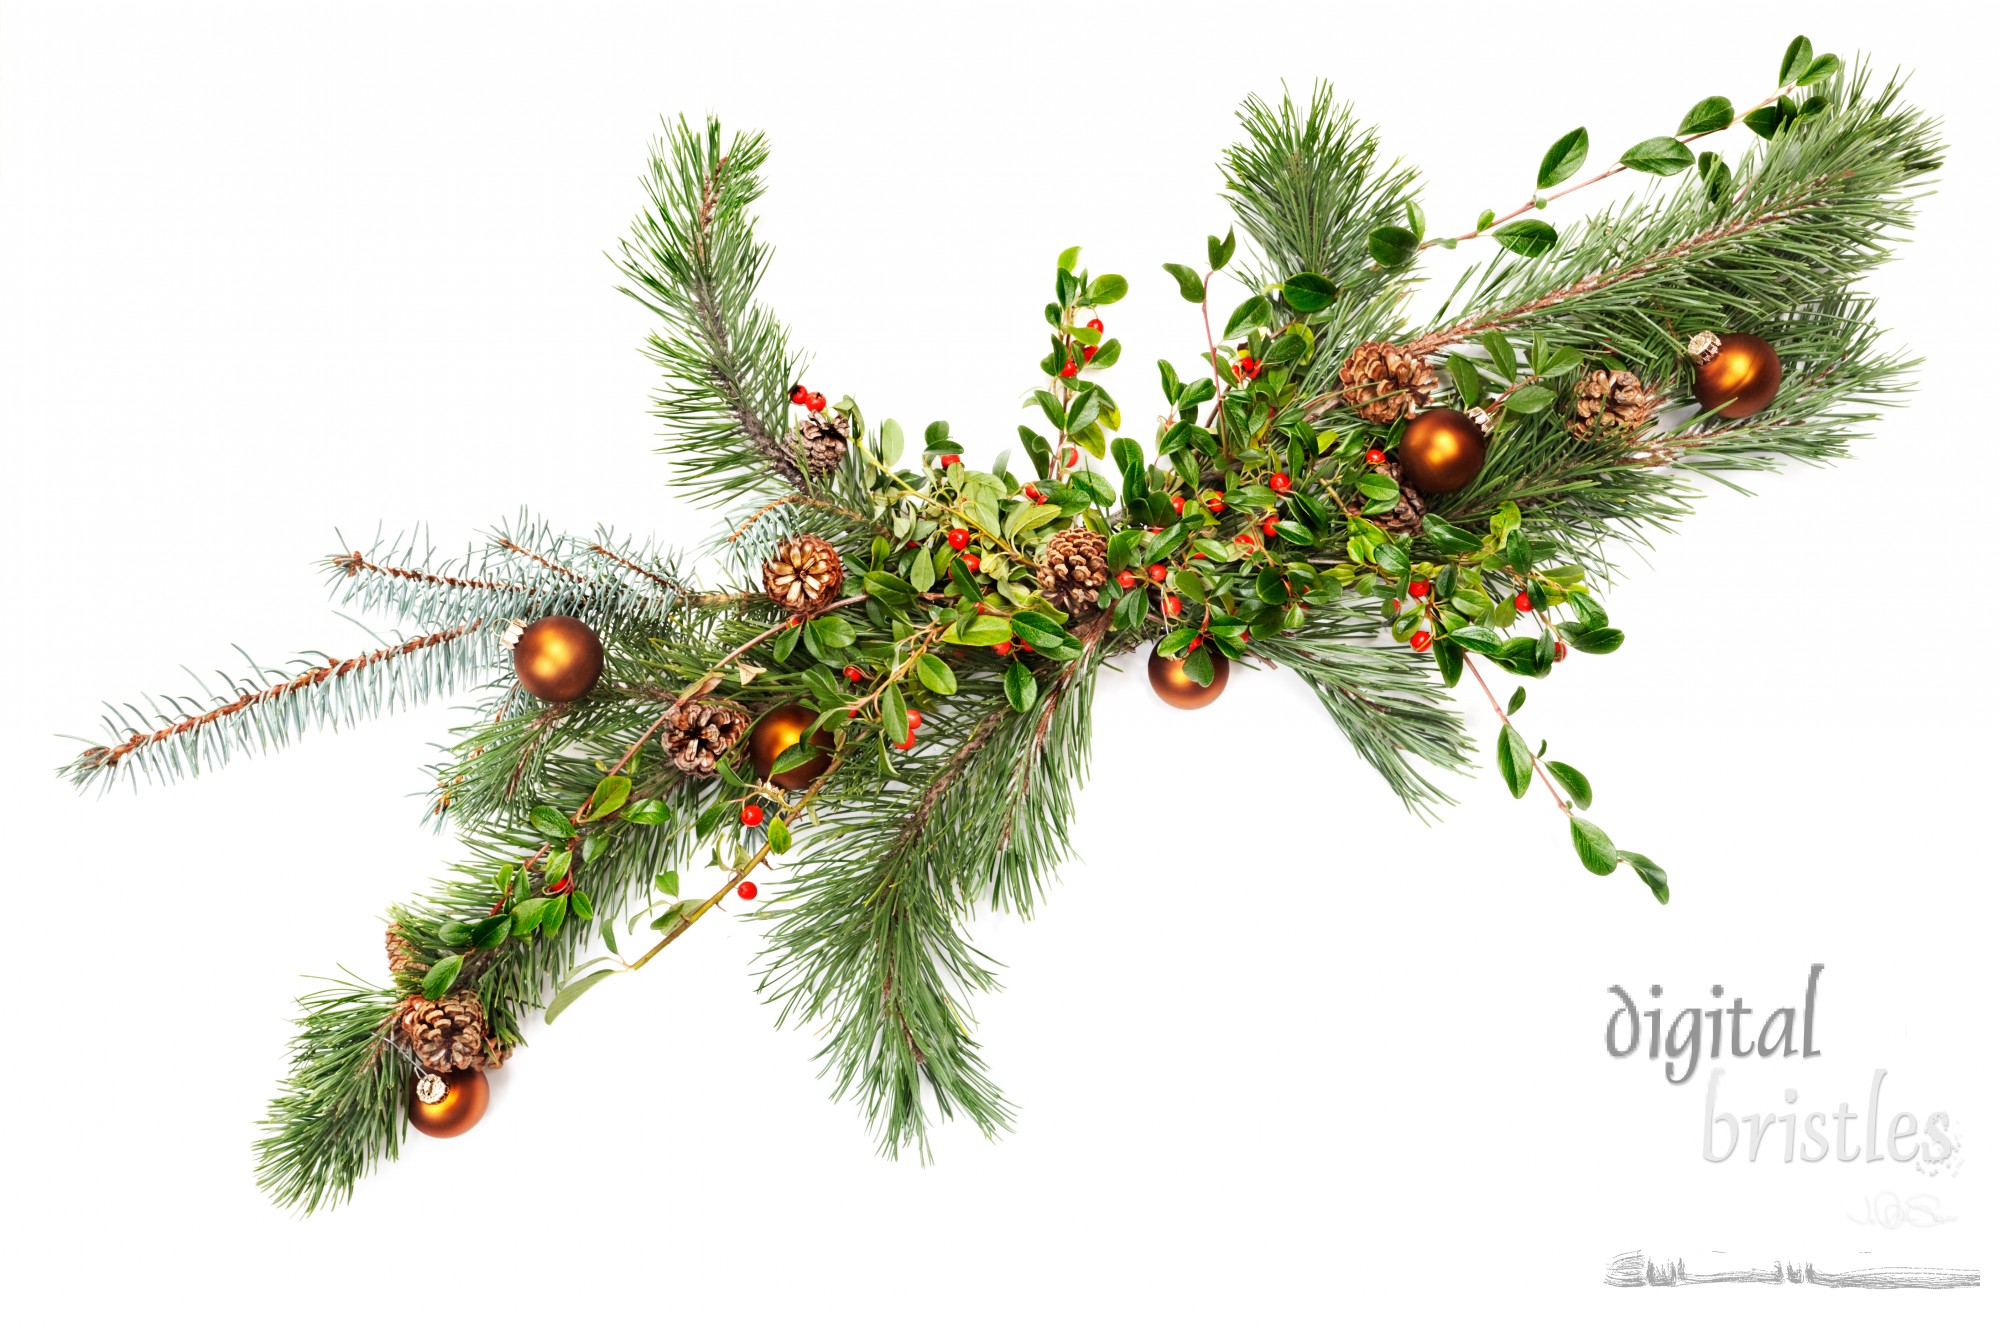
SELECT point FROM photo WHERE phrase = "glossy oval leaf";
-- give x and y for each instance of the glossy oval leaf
(1565, 155)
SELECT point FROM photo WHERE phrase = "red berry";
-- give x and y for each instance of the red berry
(1395, 604)
(971, 563)
(1032, 493)
(1251, 368)
(1095, 326)
(1068, 370)
(958, 539)
(854, 712)
(1562, 650)
(1126, 578)
(1002, 649)
(753, 815)
(817, 402)
(1196, 555)
(853, 674)
(1023, 646)
(561, 886)
(1070, 457)
(1375, 456)
(1420, 588)
(800, 395)
(1179, 502)
(1245, 539)
(1090, 351)
(916, 718)
(1171, 604)
(1281, 482)
(912, 544)
(946, 460)
(1157, 573)
(1421, 640)
(1214, 503)
(746, 890)
(1271, 525)
(1523, 602)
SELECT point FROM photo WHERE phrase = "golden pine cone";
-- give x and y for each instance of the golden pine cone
(1408, 515)
(1073, 568)
(400, 957)
(449, 1034)
(804, 575)
(697, 734)
(1611, 400)
(1382, 382)
(820, 443)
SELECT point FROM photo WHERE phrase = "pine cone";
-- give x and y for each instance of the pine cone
(696, 734)
(1382, 382)
(1408, 515)
(821, 442)
(449, 1034)
(804, 575)
(1613, 401)
(1073, 568)
(400, 957)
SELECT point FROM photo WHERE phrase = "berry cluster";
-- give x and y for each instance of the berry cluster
(806, 398)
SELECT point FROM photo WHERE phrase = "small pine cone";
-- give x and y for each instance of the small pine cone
(820, 442)
(696, 734)
(400, 957)
(1073, 568)
(1613, 401)
(449, 1034)
(804, 575)
(1382, 382)
(1408, 515)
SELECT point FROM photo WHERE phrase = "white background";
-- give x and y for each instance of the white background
(1299, 1060)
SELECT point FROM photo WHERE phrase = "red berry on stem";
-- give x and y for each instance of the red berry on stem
(746, 890)
(1375, 456)
(1281, 482)
(800, 395)
(1002, 649)
(916, 718)
(1214, 503)
(853, 674)
(971, 563)
(753, 815)
(1090, 351)
(1069, 369)
(817, 402)
(1245, 539)
(1070, 457)
(1420, 588)
(1032, 493)
(1271, 525)
(1171, 604)
(1179, 502)
(1523, 602)
(1095, 326)
(958, 539)
(1421, 640)
(946, 460)
(1157, 573)
(1251, 367)
(1126, 578)
(1562, 650)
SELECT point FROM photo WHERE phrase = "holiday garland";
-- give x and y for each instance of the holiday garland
(890, 693)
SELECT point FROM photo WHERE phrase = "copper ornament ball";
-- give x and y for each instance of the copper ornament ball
(1741, 378)
(459, 1109)
(1171, 681)
(778, 731)
(1441, 450)
(558, 659)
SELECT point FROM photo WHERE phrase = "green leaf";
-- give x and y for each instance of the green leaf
(1219, 251)
(936, 674)
(1520, 697)
(895, 713)
(1107, 354)
(579, 903)
(1449, 539)
(1041, 632)
(1530, 399)
(779, 836)
(569, 994)
(1663, 156)
(489, 933)
(610, 794)
(1392, 246)
(1573, 782)
(1307, 292)
(443, 972)
(1765, 121)
(1593, 846)
(1517, 763)
(1527, 236)
(1465, 378)
(984, 631)
(1020, 685)
(1798, 59)
(1200, 667)
(1565, 155)
(552, 822)
(1707, 116)
(891, 442)
(556, 867)
(1648, 870)
(1504, 361)
(1591, 638)
(1189, 280)
(1106, 289)
(1255, 313)
(652, 810)
(1822, 68)
(455, 933)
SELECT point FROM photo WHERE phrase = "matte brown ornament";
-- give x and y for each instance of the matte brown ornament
(778, 731)
(1736, 374)
(558, 659)
(444, 1106)
(1171, 681)
(1442, 450)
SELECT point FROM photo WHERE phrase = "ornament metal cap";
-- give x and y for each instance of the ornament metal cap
(512, 634)
(1703, 347)
(1477, 416)
(430, 1089)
